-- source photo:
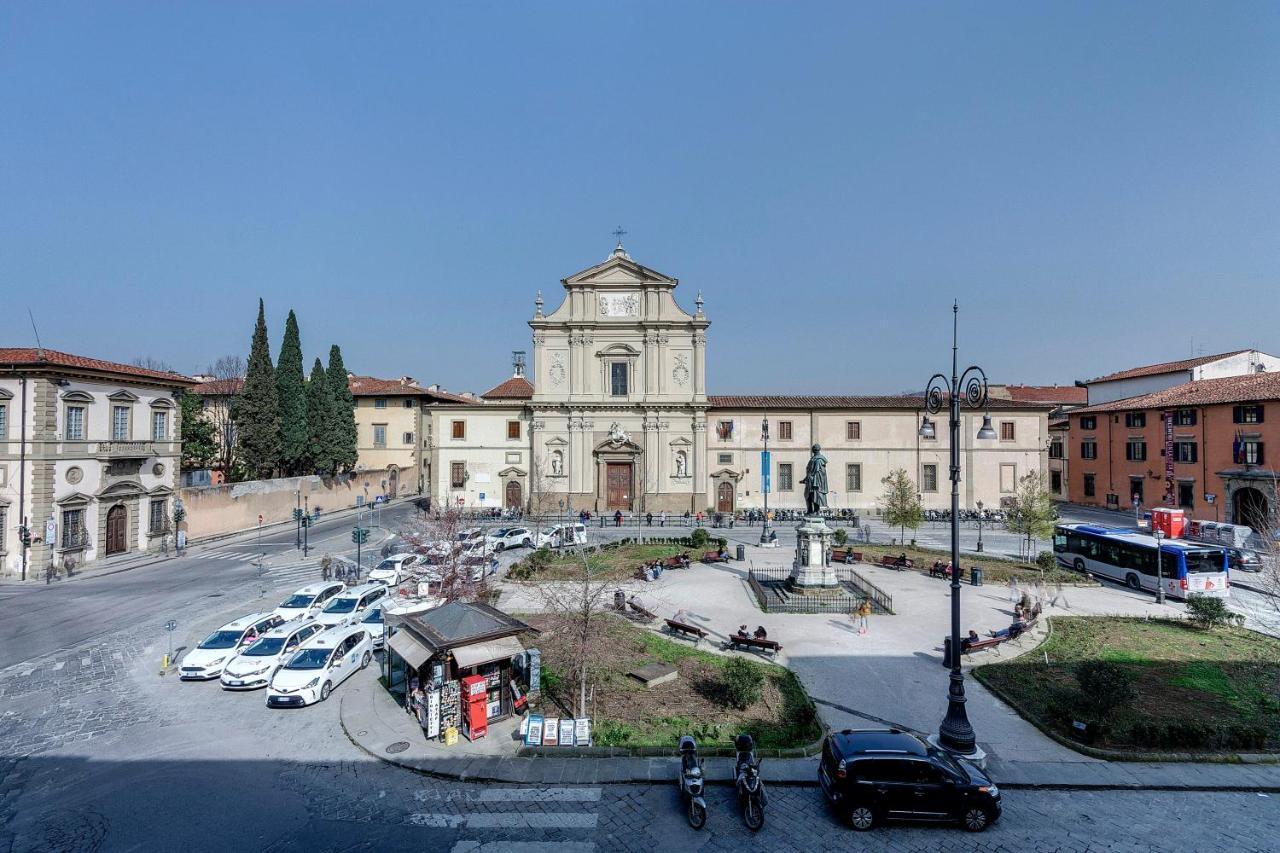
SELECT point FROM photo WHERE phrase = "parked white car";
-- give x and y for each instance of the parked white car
(471, 534)
(206, 661)
(562, 535)
(375, 625)
(308, 601)
(393, 569)
(510, 537)
(254, 666)
(349, 606)
(321, 664)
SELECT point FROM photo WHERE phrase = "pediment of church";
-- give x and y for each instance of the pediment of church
(681, 442)
(618, 269)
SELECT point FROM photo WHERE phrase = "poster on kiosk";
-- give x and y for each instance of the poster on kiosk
(475, 712)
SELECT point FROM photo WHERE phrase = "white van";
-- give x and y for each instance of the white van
(562, 535)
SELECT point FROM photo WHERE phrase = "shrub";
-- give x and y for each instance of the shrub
(1104, 686)
(841, 536)
(700, 538)
(743, 683)
(1207, 612)
(1046, 560)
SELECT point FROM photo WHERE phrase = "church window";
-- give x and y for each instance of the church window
(513, 429)
(784, 430)
(618, 378)
(784, 477)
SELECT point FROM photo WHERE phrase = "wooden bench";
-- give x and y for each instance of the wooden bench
(682, 628)
(938, 571)
(641, 611)
(845, 555)
(737, 640)
(892, 563)
(679, 561)
(979, 645)
(716, 556)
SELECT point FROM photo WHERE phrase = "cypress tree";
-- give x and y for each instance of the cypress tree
(256, 412)
(291, 391)
(320, 407)
(342, 432)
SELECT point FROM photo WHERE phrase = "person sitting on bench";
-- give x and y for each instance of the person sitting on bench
(1012, 632)
(937, 567)
(761, 633)
(966, 642)
(681, 617)
(742, 631)
(901, 562)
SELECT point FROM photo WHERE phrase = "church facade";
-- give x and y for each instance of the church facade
(613, 413)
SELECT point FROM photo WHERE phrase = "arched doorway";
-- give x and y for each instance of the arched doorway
(117, 530)
(393, 481)
(514, 496)
(1249, 507)
(724, 497)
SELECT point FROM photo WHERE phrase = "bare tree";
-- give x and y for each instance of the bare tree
(220, 394)
(149, 363)
(461, 563)
(1264, 521)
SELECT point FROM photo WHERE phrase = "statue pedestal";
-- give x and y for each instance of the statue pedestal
(811, 570)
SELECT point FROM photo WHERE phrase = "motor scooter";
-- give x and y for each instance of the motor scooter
(751, 796)
(691, 782)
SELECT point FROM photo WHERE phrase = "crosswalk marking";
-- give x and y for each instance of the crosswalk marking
(508, 820)
(539, 795)
(524, 847)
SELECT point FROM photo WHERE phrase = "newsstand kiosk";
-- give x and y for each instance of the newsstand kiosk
(475, 710)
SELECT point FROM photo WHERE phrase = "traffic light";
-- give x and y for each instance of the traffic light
(24, 536)
(360, 535)
(297, 514)
(306, 521)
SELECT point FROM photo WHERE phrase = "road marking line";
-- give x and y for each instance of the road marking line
(59, 665)
(533, 820)
(524, 847)
(539, 795)
(449, 821)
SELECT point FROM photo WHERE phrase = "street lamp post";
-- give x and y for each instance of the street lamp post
(979, 504)
(764, 480)
(1159, 534)
(297, 517)
(955, 733)
(306, 523)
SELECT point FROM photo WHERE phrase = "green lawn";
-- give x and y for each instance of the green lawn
(629, 714)
(1196, 691)
(994, 569)
(612, 564)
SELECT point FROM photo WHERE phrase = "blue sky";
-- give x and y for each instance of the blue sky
(1098, 184)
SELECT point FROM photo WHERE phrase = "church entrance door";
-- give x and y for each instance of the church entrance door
(724, 497)
(618, 485)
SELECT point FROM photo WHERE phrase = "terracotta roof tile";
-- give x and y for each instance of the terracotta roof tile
(1248, 388)
(899, 401)
(515, 388)
(1164, 367)
(368, 386)
(1070, 395)
(216, 387)
(33, 357)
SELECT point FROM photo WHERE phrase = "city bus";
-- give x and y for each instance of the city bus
(1129, 557)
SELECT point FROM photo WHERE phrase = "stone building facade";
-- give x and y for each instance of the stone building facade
(89, 455)
(616, 415)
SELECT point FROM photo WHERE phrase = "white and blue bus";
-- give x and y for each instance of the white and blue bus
(1129, 557)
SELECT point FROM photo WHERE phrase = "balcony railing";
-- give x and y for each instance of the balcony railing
(125, 449)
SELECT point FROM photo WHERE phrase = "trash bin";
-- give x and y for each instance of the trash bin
(619, 600)
(975, 576)
(742, 553)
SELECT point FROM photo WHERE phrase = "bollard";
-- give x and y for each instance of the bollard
(164, 665)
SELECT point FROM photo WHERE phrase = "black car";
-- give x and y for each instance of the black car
(873, 775)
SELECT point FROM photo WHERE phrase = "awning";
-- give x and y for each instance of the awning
(414, 653)
(478, 653)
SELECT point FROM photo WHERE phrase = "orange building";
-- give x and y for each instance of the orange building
(1201, 445)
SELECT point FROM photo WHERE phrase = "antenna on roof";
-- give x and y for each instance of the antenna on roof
(39, 346)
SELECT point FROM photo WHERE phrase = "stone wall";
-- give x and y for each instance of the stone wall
(230, 507)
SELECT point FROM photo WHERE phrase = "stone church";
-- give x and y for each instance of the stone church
(614, 414)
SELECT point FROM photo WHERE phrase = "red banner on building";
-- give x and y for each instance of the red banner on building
(1170, 496)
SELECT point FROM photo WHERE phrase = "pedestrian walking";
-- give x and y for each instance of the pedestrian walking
(662, 519)
(617, 518)
(864, 611)
(1059, 595)
(648, 519)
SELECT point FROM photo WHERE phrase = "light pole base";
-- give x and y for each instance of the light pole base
(768, 543)
(977, 757)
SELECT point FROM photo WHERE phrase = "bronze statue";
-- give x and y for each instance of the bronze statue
(815, 482)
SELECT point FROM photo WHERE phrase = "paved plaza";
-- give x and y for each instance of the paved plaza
(101, 753)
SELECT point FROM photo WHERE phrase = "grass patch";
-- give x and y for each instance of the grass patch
(629, 714)
(604, 564)
(1196, 690)
(994, 569)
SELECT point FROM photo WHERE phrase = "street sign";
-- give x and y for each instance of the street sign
(51, 531)
(482, 496)
(460, 500)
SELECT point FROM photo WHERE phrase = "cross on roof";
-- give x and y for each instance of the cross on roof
(618, 233)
